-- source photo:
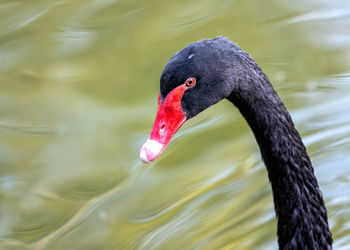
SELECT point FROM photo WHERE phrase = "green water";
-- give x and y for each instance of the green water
(79, 82)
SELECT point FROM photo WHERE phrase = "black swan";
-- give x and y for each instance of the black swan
(207, 71)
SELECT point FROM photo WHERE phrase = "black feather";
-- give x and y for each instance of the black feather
(223, 70)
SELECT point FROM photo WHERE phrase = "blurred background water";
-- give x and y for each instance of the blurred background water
(79, 82)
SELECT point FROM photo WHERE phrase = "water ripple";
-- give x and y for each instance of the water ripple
(24, 129)
(87, 209)
(323, 15)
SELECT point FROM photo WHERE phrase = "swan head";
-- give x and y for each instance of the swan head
(195, 78)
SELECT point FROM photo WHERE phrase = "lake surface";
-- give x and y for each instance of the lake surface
(79, 82)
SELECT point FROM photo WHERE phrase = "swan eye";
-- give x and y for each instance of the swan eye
(190, 82)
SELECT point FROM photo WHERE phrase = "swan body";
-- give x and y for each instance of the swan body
(210, 70)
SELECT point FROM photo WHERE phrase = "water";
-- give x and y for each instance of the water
(79, 82)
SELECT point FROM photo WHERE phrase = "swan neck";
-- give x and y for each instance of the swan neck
(299, 206)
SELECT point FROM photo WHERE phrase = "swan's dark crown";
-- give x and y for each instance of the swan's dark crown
(223, 70)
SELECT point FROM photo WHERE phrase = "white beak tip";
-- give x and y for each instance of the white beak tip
(150, 151)
(143, 157)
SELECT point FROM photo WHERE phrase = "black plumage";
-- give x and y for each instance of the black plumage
(223, 70)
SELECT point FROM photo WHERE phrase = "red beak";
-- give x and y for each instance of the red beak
(169, 119)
